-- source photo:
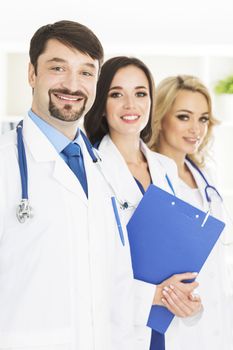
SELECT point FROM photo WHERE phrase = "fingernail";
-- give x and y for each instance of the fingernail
(195, 273)
(163, 300)
(164, 292)
(166, 288)
(171, 286)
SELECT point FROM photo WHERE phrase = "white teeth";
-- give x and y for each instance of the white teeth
(67, 98)
(130, 117)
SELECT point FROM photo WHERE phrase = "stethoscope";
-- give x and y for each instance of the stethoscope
(209, 189)
(210, 193)
(24, 210)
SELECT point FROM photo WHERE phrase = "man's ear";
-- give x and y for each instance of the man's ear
(31, 75)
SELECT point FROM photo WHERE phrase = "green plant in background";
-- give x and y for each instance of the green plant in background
(224, 86)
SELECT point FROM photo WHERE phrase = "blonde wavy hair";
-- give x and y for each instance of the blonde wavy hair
(166, 93)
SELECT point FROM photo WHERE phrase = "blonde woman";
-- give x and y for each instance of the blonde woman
(182, 130)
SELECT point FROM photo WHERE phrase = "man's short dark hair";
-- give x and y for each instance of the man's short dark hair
(69, 33)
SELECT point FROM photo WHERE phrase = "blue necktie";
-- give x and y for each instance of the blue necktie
(157, 341)
(75, 161)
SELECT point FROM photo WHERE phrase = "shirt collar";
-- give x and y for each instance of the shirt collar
(58, 140)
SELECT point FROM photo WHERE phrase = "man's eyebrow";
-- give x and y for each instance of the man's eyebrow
(88, 64)
(62, 60)
(57, 59)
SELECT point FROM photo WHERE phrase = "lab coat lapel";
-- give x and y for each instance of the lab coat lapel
(43, 151)
(159, 167)
(172, 173)
(116, 169)
(200, 184)
(90, 168)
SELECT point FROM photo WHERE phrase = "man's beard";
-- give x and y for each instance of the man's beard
(67, 113)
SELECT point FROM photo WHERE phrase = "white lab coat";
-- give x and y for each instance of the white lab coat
(126, 189)
(215, 329)
(58, 275)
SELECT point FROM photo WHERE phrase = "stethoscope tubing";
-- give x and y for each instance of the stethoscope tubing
(22, 161)
(208, 186)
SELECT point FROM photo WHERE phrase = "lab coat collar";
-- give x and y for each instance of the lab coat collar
(43, 151)
(200, 184)
(159, 166)
(40, 147)
(172, 172)
(121, 178)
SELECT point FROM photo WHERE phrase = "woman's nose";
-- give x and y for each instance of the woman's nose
(128, 102)
(194, 127)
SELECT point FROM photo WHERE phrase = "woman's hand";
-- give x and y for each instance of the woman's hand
(177, 296)
(179, 303)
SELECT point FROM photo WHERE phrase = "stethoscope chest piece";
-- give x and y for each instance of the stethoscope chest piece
(24, 211)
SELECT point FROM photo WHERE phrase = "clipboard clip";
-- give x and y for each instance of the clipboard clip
(205, 218)
(197, 216)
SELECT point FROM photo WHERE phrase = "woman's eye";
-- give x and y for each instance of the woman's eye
(115, 94)
(141, 94)
(88, 74)
(204, 120)
(183, 117)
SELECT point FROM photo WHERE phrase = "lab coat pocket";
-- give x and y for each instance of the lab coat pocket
(21, 244)
(34, 288)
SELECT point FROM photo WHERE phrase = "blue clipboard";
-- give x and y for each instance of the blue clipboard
(167, 236)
